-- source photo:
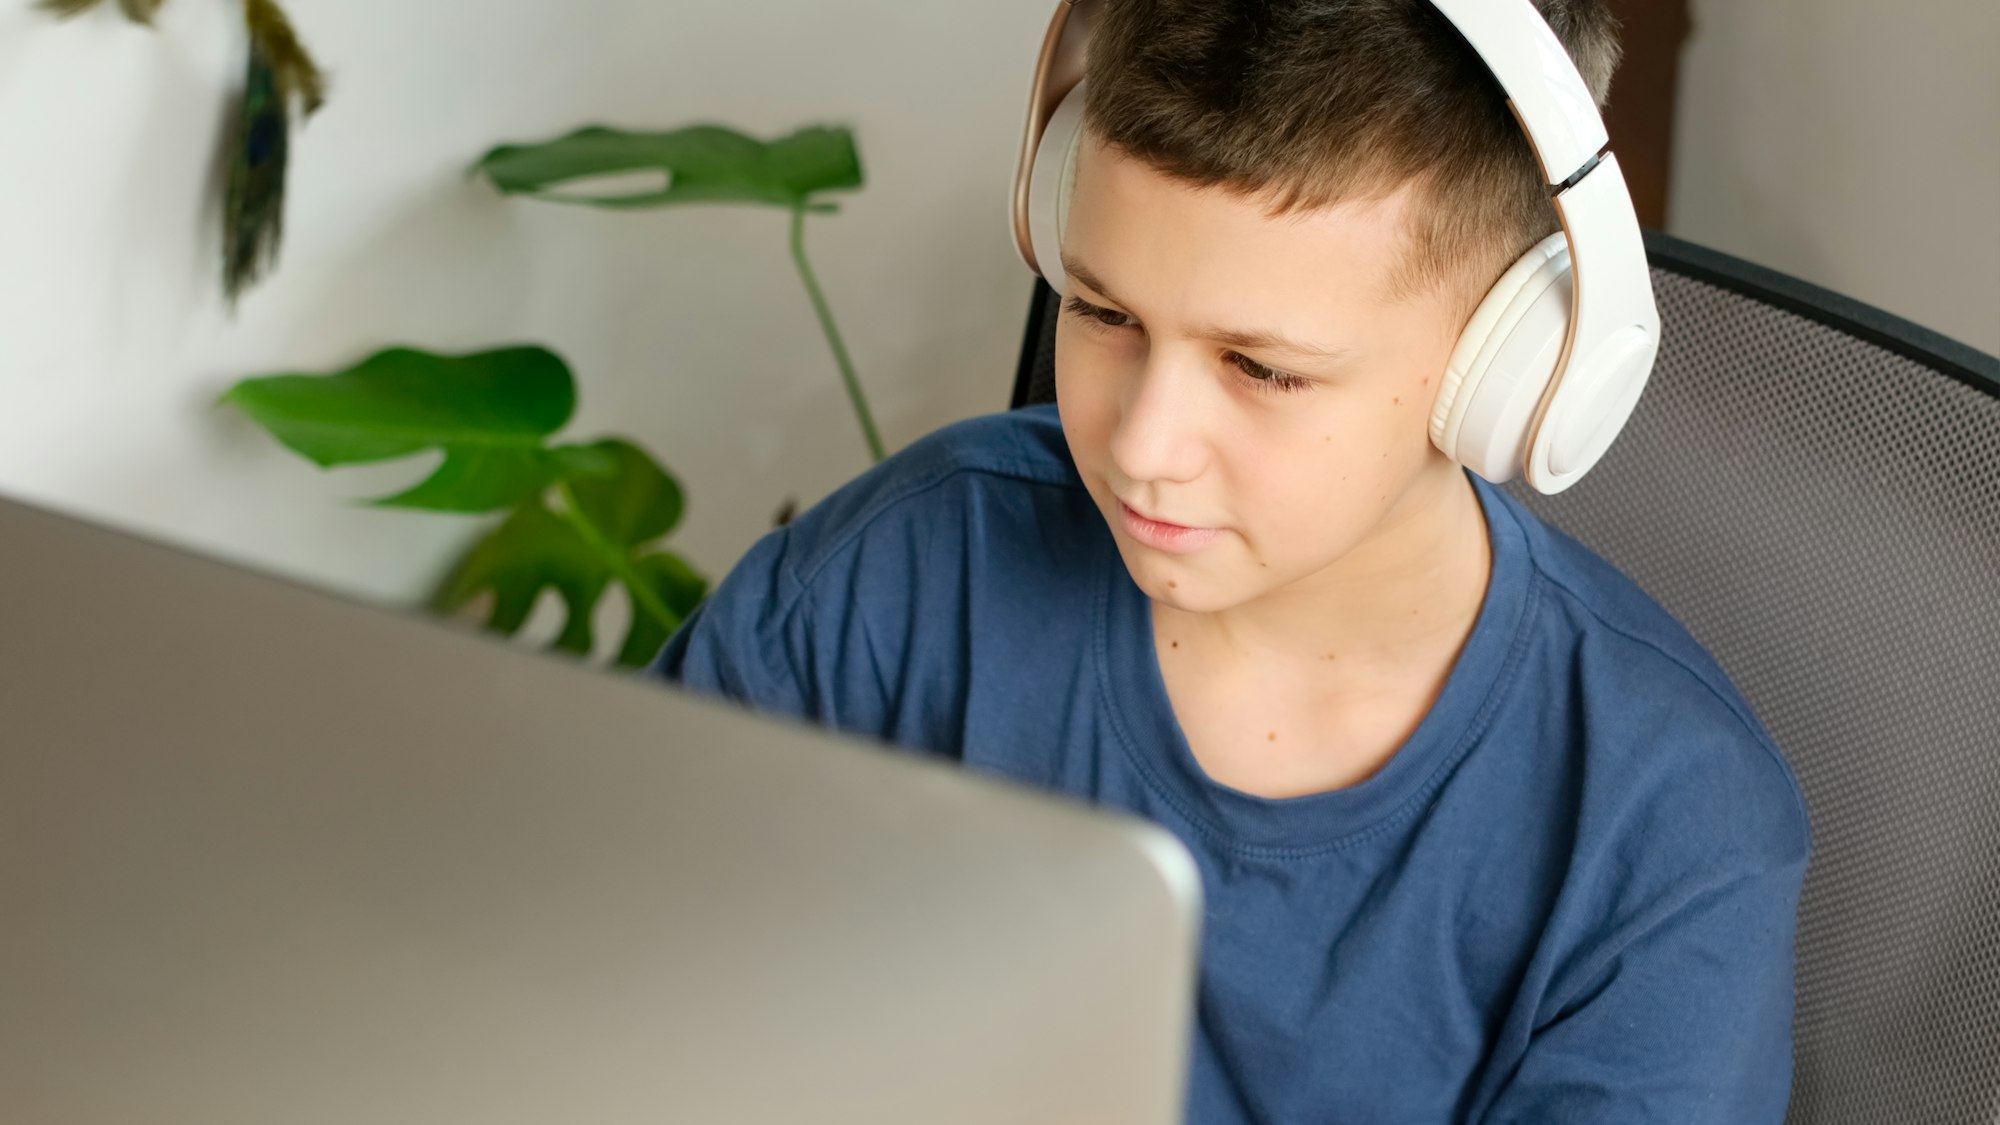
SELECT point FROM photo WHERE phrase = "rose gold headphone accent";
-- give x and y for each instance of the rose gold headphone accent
(1057, 72)
(1541, 414)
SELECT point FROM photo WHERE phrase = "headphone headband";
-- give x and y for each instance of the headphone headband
(1057, 72)
(1547, 94)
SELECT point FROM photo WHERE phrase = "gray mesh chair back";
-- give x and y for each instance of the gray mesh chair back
(1812, 487)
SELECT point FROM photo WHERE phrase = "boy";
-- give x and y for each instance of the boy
(1484, 835)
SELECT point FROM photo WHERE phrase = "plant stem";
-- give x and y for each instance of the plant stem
(833, 334)
(643, 597)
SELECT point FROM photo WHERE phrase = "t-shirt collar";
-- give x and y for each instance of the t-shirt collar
(1142, 714)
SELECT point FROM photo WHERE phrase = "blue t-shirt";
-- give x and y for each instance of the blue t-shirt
(1569, 897)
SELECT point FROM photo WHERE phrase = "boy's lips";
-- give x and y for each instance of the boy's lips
(1161, 535)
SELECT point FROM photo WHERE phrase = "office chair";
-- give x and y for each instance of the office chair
(1812, 487)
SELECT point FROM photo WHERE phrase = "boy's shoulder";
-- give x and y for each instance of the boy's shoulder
(853, 609)
(1668, 724)
(986, 469)
(1600, 604)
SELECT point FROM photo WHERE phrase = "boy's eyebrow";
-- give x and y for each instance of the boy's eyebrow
(1234, 337)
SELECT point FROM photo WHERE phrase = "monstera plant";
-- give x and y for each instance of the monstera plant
(578, 516)
(702, 164)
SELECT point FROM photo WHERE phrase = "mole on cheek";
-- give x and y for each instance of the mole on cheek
(1398, 400)
(1173, 585)
(1274, 736)
(1177, 644)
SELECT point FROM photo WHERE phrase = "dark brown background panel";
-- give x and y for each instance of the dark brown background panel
(1641, 115)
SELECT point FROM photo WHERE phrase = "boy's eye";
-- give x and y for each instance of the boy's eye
(1091, 312)
(1267, 378)
(1261, 377)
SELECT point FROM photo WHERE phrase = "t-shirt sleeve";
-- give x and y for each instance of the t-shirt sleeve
(810, 649)
(749, 640)
(859, 615)
(1689, 1020)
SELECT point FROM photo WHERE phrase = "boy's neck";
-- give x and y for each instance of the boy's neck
(1400, 602)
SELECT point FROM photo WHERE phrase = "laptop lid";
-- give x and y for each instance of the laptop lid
(268, 855)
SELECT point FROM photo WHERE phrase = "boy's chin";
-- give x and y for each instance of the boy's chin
(1187, 588)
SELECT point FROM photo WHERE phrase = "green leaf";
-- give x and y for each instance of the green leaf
(676, 586)
(532, 550)
(483, 480)
(489, 411)
(635, 502)
(702, 163)
(624, 503)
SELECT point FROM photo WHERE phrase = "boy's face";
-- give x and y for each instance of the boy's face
(1171, 422)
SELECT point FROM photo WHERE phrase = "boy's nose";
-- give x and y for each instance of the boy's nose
(1163, 425)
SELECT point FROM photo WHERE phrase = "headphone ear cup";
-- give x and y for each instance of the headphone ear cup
(1050, 184)
(1501, 368)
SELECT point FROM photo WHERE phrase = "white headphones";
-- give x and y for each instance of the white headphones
(1552, 362)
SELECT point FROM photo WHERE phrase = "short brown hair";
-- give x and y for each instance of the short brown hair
(1316, 102)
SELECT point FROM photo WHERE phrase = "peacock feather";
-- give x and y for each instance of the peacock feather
(254, 210)
(297, 75)
(279, 72)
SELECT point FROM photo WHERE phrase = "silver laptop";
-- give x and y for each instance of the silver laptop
(268, 856)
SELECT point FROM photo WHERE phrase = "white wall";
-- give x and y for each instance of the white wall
(1853, 143)
(687, 327)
